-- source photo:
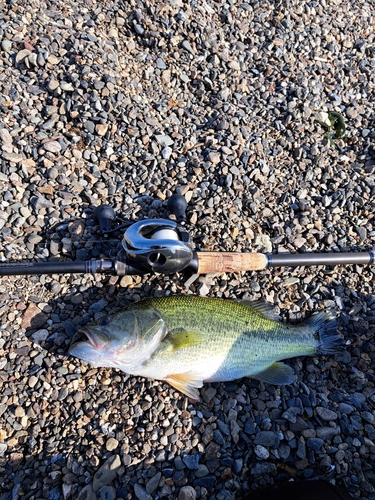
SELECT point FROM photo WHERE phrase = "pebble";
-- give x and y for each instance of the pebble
(326, 433)
(167, 152)
(325, 413)
(207, 482)
(261, 468)
(315, 443)
(265, 438)
(5, 136)
(153, 483)
(291, 414)
(87, 493)
(261, 452)
(187, 493)
(345, 408)
(191, 461)
(106, 493)
(52, 146)
(141, 493)
(107, 472)
(33, 317)
(164, 140)
(186, 45)
(6, 45)
(111, 444)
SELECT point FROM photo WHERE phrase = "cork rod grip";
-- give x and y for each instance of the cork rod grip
(230, 262)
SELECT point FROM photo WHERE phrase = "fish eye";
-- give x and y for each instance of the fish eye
(104, 321)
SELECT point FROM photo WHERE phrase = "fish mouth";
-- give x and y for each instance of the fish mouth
(87, 336)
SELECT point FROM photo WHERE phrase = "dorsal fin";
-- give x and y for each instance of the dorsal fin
(264, 308)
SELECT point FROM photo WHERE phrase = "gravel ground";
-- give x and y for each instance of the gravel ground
(126, 102)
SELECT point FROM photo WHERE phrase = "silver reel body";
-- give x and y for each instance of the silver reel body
(159, 245)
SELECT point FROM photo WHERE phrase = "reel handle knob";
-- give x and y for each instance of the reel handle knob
(104, 215)
(177, 204)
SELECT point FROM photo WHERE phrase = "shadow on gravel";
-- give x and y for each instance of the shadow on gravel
(77, 417)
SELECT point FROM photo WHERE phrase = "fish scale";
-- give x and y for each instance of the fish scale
(189, 340)
(239, 336)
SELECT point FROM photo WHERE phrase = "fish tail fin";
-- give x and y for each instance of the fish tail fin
(323, 326)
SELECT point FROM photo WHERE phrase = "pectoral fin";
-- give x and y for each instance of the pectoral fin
(179, 340)
(277, 373)
(186, 383)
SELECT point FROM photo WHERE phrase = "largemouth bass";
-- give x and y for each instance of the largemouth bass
(189, 340)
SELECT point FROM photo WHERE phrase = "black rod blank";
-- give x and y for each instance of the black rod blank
(320, 259)
(67, 267)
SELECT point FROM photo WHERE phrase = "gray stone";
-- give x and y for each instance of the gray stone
(53, 84)
(167, 152)
(187, 493)
(52, 146)
(265, 438)
(13, 157)
(261, 452)
(315, 443)
(235, 430)
(284, 451)
(5, 136)
(208, 393)
(106, 493)
(326, 433)
(186, 45)
(40, 335)
(368, 417)
(89, 126)
(261, 468)
(191, 461)
(111, 444)
(160, 63)
(6, 45)
(325, 413)
(22, 55)
(87, 493)
(40, 202)
(66, 86)
(362, 232)
(164, 140)
(202, 471)
(262, 243)
(107, 472)
(291, 414)
(214, 157)
(153, 483)
(141, 493)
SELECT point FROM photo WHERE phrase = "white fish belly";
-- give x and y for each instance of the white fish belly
(203, 368)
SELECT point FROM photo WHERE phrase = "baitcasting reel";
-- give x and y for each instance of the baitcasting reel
(158, 245)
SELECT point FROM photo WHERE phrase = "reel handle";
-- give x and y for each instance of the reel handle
(177, 204)
(104, 215)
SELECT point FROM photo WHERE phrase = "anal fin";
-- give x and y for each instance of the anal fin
(277, 374)
(186, 383)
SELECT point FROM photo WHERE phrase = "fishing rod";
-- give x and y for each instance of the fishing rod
(164, 246)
